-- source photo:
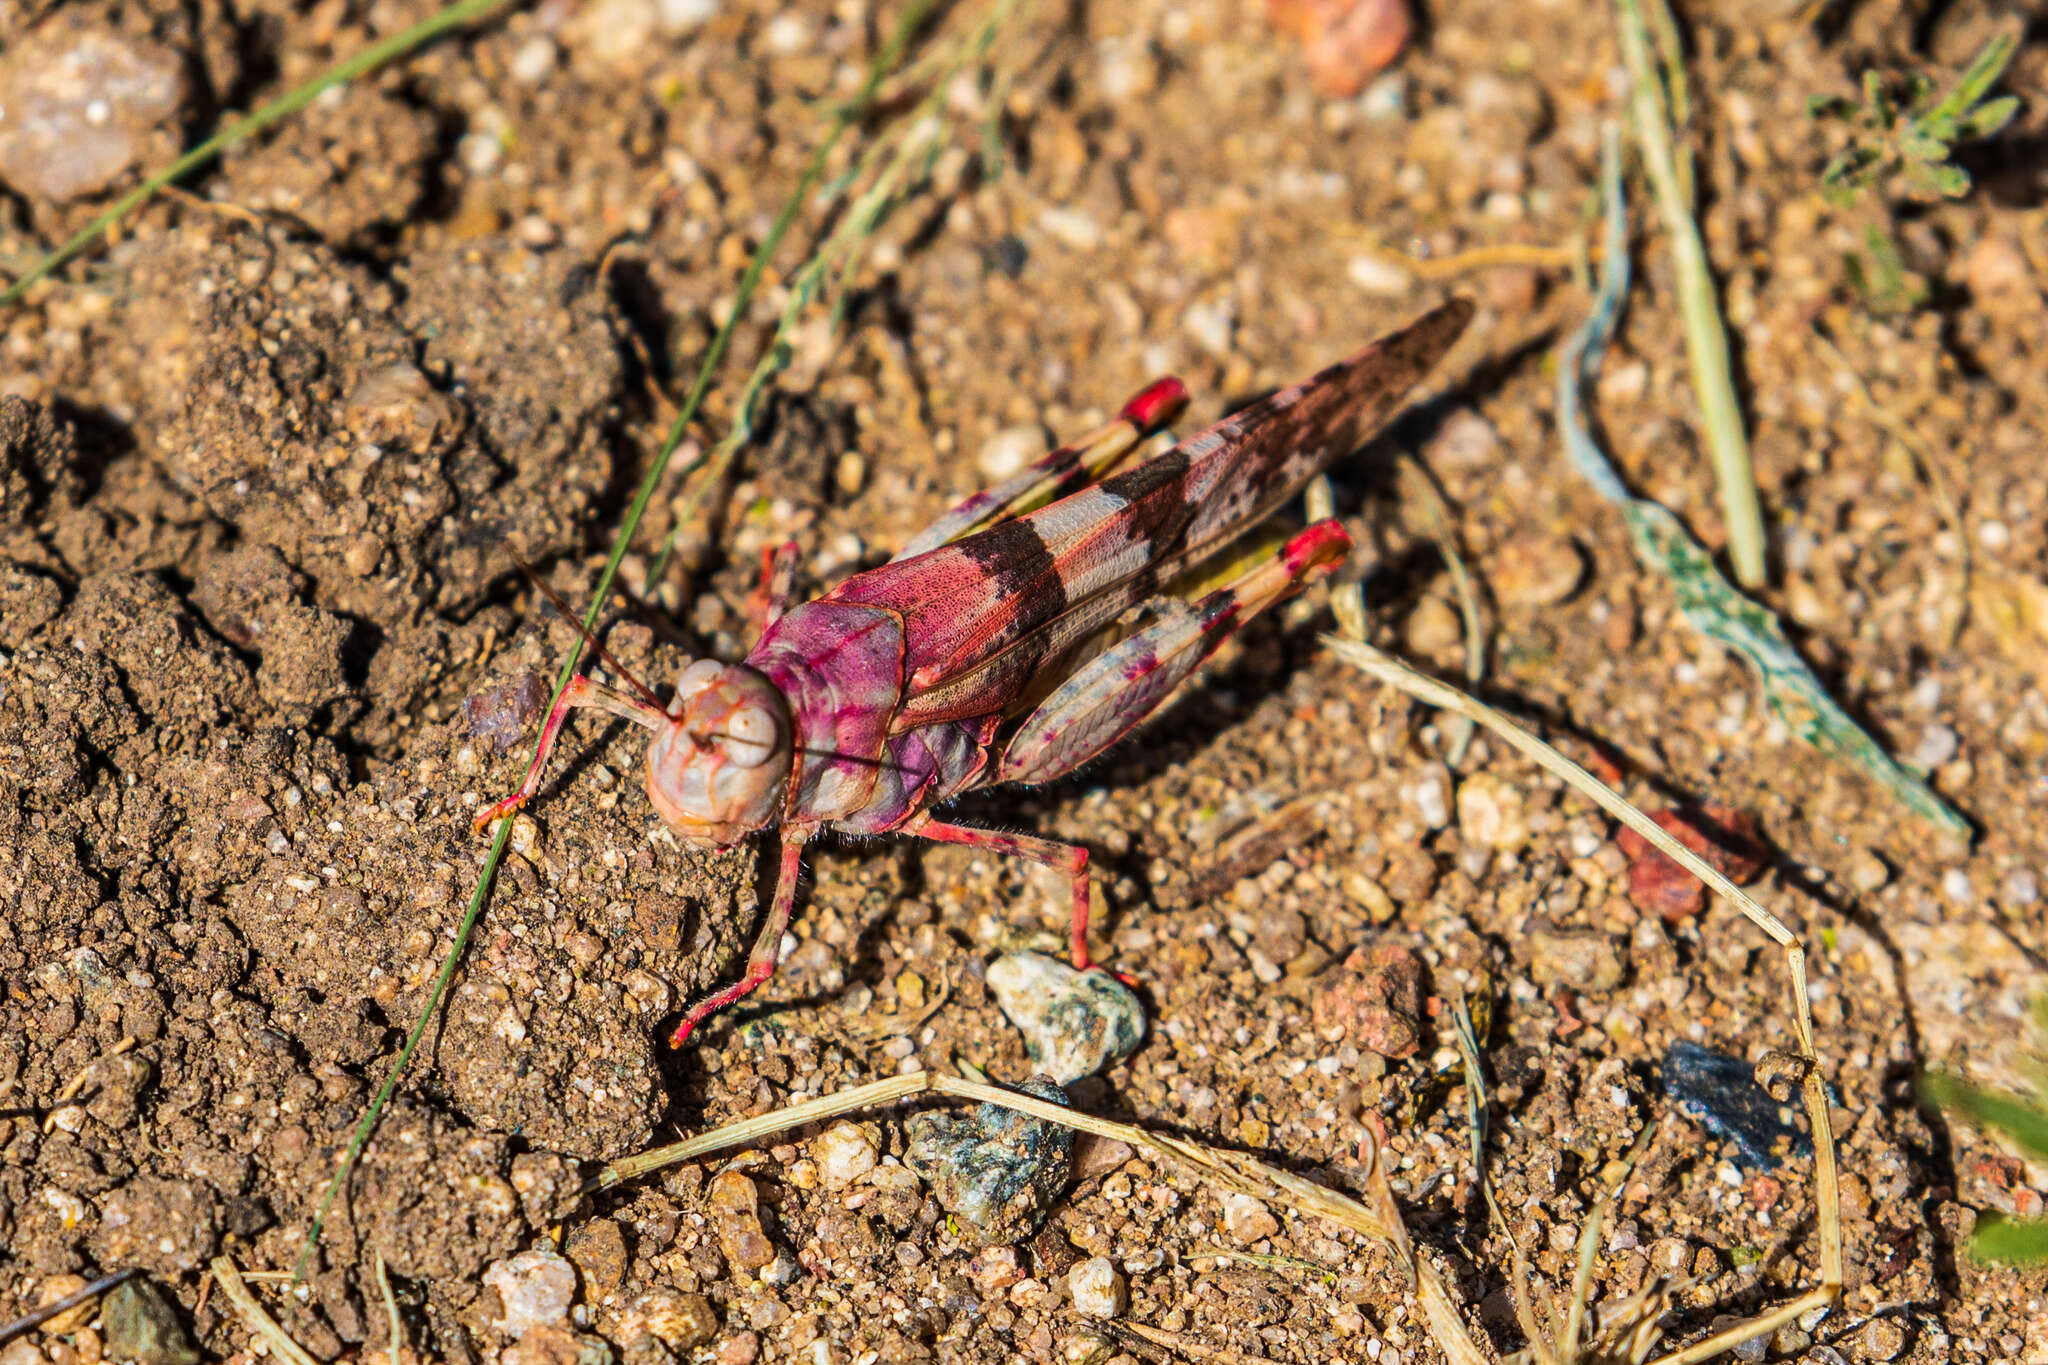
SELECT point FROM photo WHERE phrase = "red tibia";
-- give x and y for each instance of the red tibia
(1070, 859)
(581, 691)
(1156, 404)
(761, 961)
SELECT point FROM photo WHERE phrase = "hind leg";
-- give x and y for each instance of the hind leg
(1073, 466)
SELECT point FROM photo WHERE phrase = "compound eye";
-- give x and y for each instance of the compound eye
(750, 737)
(697, 677)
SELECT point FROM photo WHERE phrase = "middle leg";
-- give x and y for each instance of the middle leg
(1068, 859)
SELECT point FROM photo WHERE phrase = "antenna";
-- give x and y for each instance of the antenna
(597, 647)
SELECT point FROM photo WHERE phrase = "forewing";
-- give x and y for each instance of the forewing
(983, 615)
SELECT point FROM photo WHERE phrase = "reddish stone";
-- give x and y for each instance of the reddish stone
(1724, 837)
(1374, 1000)
(1344, 42)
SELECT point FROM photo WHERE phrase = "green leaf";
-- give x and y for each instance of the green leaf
(2022, 1119)
(1924, 148)
(1985, 69)
(1831, 106)
(2009, 1240)
(1882, 110)
(1924, 180)
(1989, 117)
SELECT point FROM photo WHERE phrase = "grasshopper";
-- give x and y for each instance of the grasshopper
(966, 661)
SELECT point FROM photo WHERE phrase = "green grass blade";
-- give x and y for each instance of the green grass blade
(1708, 601)
(369, 59)
(886, 60)
(1706, 339)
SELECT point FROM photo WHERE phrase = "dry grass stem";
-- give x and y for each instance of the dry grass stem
(390, 1309)
(1378, 1221)
(252, 1314)
(1706, 338)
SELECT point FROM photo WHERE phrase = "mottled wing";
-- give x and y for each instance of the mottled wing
(983, 615)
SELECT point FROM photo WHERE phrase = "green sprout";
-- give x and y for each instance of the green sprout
(1909, 142)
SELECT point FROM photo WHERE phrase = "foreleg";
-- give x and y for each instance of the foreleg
(761, 962)
(1071, 860)
(582, 692)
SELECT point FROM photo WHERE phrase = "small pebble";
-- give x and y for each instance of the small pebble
(1492, 814)
(1246, 1220)
(1464, 443)
(844, 1153)
(1212, 325)
(1378, 276)
(1535, 571)
(682, 16)
(1994, 267)
(995, 1269)
(1071, 227)
(1880, 1339)
(1581, 960)
(1868, 872)
(1097, 1288)
(140, 1323)
(536, 1288)
(995, 1170)
(680, 1322)
(1374, 1000)
(1432, 628)
(1431, 798)
(735, 1203)
(1723, 837)
(534, 59)
(741, 1348)
(479, 153)
(1008, 451)
(1938, 744)
(75, 108)
(1344, 43)
(2021, 887)
(55, 1287)
(1074, 1023)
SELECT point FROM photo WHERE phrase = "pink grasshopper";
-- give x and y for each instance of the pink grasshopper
(953, 666)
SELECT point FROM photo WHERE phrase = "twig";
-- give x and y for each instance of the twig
(1468, 609)
(253, 1316)
(390, 1309)
(36, 1317)
(1378, 1221)
(906, 27)
(1706, 339)
(369, 59)
(1439, 269)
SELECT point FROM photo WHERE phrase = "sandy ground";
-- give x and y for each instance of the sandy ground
(266, 463)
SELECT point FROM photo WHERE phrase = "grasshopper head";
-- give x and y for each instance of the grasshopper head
(716, 772)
